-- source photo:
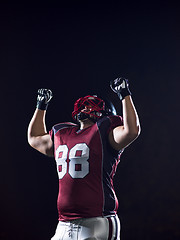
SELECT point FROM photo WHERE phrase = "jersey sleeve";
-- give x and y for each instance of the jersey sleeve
(115, 122)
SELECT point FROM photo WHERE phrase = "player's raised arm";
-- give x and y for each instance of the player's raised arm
(37, 134)
(121, 136)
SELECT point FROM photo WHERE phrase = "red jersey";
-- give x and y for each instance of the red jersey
(86, 164)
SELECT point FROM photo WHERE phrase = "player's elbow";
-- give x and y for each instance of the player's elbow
(121, 137)
(134, 133)
(31, 141)
(41, 144)
(30, 137)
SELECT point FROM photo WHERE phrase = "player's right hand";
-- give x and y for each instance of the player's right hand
(121, 87)
(43, 98)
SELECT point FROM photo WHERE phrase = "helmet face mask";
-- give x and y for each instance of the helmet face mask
(88, 107)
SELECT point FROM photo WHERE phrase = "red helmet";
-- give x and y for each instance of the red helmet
(97, 106)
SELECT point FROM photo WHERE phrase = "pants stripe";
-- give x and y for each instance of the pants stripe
(114, 228)
(110, 228)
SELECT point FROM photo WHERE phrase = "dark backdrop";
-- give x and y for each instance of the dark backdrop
(76, 49)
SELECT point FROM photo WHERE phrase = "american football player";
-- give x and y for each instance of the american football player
(87, 154)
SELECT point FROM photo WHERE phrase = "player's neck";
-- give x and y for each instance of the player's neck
(86, 123)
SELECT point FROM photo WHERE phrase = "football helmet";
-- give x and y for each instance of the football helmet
(91, 107)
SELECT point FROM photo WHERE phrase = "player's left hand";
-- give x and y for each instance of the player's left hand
(121, 87)
(43, 98)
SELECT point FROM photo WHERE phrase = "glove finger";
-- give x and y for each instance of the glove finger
(50, 95)
(113, 86)
(42, 92)
(39, 91)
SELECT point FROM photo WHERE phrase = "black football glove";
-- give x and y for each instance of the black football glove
(43, 98)
(121, 87)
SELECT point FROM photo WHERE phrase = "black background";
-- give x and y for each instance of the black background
(75, 50)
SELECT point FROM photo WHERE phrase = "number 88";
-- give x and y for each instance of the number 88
(74, 160)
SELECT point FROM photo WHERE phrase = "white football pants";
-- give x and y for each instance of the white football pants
(100, 228)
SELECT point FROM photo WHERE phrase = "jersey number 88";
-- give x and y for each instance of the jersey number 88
(78, 160)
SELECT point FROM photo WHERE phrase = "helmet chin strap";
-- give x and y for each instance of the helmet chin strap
(82, 116)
